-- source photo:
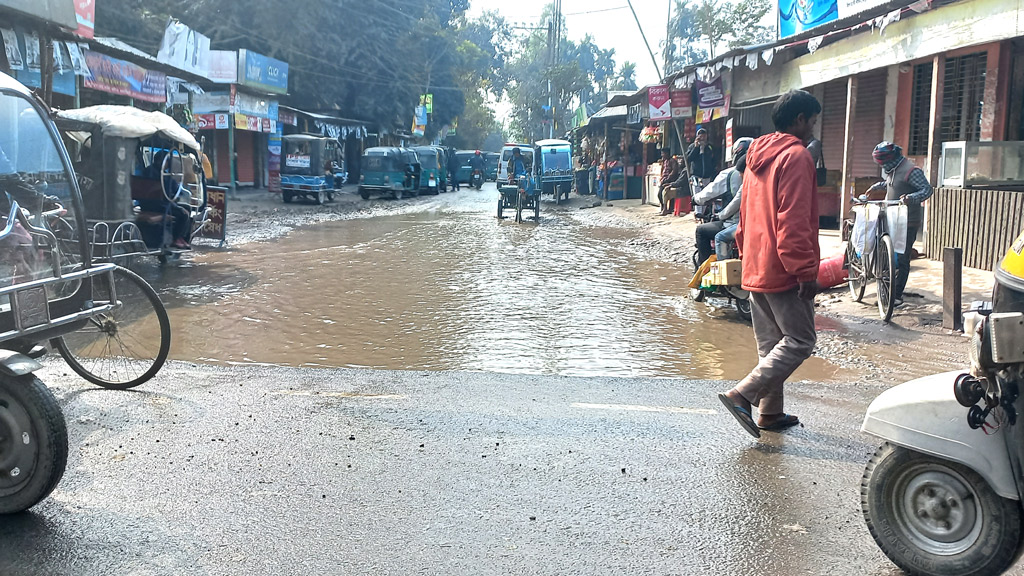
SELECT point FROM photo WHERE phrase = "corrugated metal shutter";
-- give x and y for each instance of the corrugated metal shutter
(758, 116)
(869, 127)
(833, 124)
(246, 166)
(223, 158)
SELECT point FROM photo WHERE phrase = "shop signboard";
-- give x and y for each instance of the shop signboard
(712, 100)
(85, 14)
(212, 121)
(217, 201)
(274, 160)
(682, 103)
(263, 72)
(59, 12)
(184, 48)
(796, 16)
(223, 67)
(427, 101)
(634, 114)
(287, 117)
(124, 78)
(259, 106)
(208, 102)
(660, 103)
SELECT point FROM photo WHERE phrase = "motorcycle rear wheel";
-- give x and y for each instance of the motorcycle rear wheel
(933, 517)
(33, 443)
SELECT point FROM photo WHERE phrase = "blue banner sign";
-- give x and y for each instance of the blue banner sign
(259, 71)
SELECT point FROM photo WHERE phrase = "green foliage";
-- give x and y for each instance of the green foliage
(700, 28)
(626, 77)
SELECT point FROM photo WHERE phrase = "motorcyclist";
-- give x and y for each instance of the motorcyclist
(477, 162)
(903, 181)
(724, 188)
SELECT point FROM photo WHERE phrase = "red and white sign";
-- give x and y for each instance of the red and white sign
(682, 104)
(212, 121)
(85, 13)
(265, 124)
(728, 140)
(660, 103)
(223, 66)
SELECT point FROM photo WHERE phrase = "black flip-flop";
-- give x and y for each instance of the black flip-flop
(742, 415)
(787, 421)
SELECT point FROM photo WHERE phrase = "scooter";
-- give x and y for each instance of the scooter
(477, 179)
(942, 495)
(707, 286)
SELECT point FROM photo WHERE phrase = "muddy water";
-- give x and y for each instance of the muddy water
(450, 287)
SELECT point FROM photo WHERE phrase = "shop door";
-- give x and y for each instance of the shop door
(869, 128)
(222, 158)
(833, 124)
(246, 165)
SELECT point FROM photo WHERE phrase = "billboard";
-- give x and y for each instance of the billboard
(660, 103)
(796, 16)
(263, 72)
(184, 48)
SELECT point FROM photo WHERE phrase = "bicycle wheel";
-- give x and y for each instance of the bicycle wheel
(856, 274)
(886, 277)
(126, 346)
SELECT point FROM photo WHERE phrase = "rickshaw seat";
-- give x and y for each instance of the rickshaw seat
(146, 189)
(153, 217)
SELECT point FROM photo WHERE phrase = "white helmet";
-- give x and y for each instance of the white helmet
(740, 146)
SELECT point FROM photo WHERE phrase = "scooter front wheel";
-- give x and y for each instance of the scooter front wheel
(33, 443)
(934, 517)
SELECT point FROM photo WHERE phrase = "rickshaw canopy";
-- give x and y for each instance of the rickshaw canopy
(126, 122)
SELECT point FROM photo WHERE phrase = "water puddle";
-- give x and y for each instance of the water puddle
(455, 289)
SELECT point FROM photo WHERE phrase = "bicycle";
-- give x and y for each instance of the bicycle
(871, 253)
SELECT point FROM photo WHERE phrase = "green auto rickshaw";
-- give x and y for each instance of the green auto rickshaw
(389, 171)
(432, 169)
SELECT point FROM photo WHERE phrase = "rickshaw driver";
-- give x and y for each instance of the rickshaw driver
(516, 165)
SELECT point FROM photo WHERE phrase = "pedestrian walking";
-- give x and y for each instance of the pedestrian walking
(778, 240)
(453, 169)
(903, 181)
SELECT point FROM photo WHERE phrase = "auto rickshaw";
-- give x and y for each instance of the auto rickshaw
(313, 168)
(142, 180)
(52, 288)
(389, 170)
(465, 173)
(554, 168)
(431, 169)
(491, 161)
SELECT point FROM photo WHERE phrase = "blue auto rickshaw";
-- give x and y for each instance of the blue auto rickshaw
(554, 168)
(312, 167)
(389, 171)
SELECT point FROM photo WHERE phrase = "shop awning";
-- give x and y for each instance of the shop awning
(59, 12)
(333, 126)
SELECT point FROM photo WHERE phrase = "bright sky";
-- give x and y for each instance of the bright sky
(609, 22)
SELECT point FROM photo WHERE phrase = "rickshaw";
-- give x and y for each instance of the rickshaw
(51, 289)
(386, 170)
(554, 168)
(431, 169)
(313, 168)
(141, 178)
(521, 194)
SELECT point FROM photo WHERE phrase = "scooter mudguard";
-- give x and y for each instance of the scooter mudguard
(17, 364)
(923, 415)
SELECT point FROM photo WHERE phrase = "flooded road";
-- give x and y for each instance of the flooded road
(444, 285)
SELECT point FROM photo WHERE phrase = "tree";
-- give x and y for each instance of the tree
(626, 77)
(699, 28)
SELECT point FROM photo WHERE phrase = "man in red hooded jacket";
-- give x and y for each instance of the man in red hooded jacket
(778, 240)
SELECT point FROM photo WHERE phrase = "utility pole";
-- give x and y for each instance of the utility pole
(668, 34)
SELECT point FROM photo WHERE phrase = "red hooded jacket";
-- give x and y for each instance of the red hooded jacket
(778, 231)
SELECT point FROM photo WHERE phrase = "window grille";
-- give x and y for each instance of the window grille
(920, 110)
(963, 95)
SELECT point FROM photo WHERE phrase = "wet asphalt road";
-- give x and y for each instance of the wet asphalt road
(260, 469)
(211, 470)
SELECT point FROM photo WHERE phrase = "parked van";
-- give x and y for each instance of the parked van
(506, 153)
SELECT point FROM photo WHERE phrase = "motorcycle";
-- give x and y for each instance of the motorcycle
(477, 179)
(942, 495)
(705, 284)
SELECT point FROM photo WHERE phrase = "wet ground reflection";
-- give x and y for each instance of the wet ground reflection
(455, 289)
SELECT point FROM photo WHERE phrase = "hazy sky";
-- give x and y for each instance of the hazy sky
(609, 22)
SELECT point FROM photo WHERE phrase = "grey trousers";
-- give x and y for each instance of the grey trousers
(785, 335)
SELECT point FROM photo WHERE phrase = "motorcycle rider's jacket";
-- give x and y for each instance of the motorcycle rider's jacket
(778, 230)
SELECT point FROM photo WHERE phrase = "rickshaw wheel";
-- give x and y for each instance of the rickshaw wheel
(118, 349)
(287, 197)
(33, 443)
(536, 208)
(330, 196)
(321, 197)
(398, 194)
(519, 207)
(501, 207)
